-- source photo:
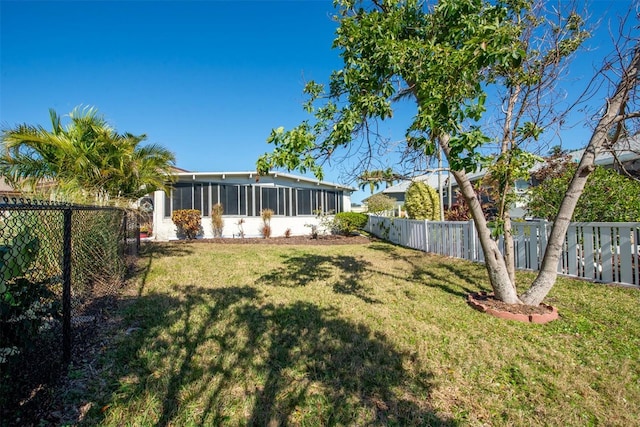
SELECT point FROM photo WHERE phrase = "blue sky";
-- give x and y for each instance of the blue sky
(206, 79)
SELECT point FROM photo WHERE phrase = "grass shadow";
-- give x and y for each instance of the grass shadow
(344, 273)
(223, 356)
(449, 276)
(444, 273)
(151, 251)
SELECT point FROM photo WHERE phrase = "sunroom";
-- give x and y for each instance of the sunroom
(296, 202)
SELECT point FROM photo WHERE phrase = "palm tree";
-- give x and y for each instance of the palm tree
(87, 159)
(375, 177)
(389, 177)
(368, 179)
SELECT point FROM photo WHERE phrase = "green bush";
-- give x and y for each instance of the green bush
(422, 202)
(348, 222)
(608, 196)
(379, 203)
(188, 222)
(24, 304)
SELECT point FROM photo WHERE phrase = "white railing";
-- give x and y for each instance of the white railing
(606, 252)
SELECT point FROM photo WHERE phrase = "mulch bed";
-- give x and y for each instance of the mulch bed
(523, 313)
(491, 302)
(329, 239)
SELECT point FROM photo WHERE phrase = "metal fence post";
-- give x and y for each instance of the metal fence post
(66, 287)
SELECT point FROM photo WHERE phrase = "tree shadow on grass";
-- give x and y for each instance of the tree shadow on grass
(441, 272)
(448, 275)
(151, 251)
(344, 273)
(225, 357)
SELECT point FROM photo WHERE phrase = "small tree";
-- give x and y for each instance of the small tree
(379, 203)
(422, 202)
(217, 223)
(188, 222)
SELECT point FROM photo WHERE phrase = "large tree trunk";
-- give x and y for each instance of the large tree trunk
(614, 113)
(494, 262)
(509, 250)
(507, 144)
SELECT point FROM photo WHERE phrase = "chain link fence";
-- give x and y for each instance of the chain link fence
(59, 264)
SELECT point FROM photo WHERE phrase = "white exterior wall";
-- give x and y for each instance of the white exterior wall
(346, 202)
(164, 229)
(299, 226)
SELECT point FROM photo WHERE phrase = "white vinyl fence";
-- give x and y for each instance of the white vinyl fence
(607, 252)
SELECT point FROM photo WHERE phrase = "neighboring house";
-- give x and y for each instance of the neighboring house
(8, 190)
(627, 152)
(398, 190)
(295, 201)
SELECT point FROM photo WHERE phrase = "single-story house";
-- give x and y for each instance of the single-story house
(295, 201)
(397, 191)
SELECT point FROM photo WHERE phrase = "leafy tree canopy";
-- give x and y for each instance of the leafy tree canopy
(438, 57)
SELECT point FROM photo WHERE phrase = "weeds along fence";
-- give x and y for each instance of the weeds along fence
(607, 252)
(58, 263)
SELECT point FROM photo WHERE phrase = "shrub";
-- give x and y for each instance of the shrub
(422, 202)
(265, 230)
(217, 223)
(24, 304)
(608, 196)
(348, 222)
(187, 221)
(459, 211)
(266, 215)
(379, 203)
(287, 233)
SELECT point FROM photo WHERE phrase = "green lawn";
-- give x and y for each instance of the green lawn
(356, 335)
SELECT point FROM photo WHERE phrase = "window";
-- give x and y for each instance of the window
(197, 197)
(181, 197)
(330, 203)
(283, 202)
(246, 200)
(229, 198)
(269, 199)
(215, 194)
(249, 200)
(304, 202)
